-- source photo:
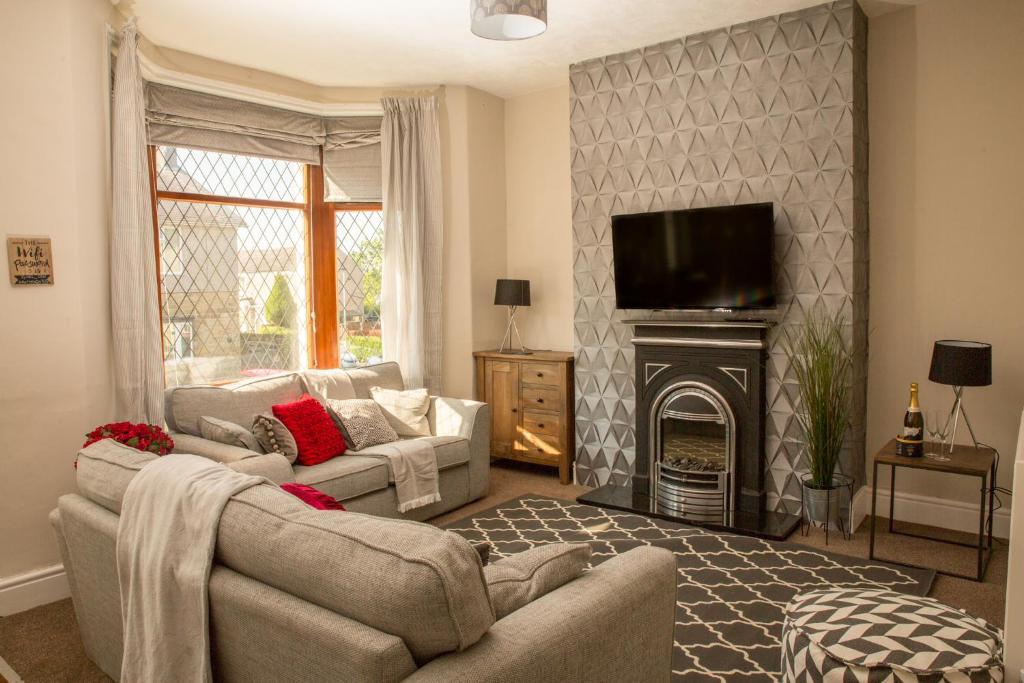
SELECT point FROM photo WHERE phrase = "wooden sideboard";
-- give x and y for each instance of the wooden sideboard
(531, 399)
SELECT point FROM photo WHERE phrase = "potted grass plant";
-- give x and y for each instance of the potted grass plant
(821, 361)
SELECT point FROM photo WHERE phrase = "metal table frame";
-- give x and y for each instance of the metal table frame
(985, 517)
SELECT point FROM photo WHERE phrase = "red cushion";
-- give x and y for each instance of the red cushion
(313, 497)
(317, 437)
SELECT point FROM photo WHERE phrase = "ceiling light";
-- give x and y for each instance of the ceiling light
(508, 19)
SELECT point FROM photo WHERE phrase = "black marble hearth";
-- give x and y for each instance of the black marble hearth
(773, 526)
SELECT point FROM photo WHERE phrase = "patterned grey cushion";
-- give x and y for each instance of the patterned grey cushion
(363, 422)
(522, 578)
(228, 433)
(879, 635)
(274, 437)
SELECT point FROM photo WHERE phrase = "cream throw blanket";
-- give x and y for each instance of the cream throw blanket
(414, 466)
(165, 541)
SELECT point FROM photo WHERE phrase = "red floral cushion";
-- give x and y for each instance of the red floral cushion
(313, 497)
(317, 437)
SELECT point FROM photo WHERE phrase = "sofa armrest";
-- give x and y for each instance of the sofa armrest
(273, 466)
(614, 623)
(469, 420)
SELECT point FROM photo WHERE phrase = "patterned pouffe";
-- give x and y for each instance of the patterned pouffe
(869, 636)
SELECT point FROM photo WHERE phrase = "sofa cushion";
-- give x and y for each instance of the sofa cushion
(345, 477)
(520, 579)
(450, 451)
(106, 468)
(317, 437)
(355, 383)
(420, 583)
(274, 437)
(405, 410)
(222, 431)
(236, 403)
(362, 422)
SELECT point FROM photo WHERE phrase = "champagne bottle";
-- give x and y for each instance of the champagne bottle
(913, 427)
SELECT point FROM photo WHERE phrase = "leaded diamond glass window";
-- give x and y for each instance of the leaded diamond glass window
(233, 274)
(359, 253)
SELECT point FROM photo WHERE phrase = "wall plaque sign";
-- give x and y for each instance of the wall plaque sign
(30, 260)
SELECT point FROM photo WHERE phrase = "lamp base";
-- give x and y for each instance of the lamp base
(511, 329)
(954, 417)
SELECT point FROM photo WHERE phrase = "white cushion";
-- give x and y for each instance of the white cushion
(405, 410)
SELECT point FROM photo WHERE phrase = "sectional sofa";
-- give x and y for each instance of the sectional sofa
(460, 436)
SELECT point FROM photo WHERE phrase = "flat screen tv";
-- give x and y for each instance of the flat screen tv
(718, 257)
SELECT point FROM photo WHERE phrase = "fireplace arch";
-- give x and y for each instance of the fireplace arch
(692, 432)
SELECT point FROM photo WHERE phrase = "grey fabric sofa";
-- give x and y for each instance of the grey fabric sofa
(298, 594)
(460, 435)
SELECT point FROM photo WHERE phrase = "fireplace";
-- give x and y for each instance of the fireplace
(700, 427)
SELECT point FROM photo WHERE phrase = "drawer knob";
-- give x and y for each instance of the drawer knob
(540, 400)
(540, 425)
(540, 374)
(514, 410)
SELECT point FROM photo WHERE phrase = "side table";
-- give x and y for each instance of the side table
(965, 461)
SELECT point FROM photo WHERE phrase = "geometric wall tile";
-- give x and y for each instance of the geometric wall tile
(771, 110)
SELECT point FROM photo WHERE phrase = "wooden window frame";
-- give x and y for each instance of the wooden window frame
(321, 256)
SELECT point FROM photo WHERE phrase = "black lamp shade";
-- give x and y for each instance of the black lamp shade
(961, 363)
(512, 293)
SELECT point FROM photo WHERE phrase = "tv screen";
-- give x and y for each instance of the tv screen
(718, 257)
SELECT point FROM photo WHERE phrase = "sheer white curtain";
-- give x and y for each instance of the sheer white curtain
(411, 281)
(134, 301)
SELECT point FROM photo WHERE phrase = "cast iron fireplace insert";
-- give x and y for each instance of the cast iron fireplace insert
(700, 415)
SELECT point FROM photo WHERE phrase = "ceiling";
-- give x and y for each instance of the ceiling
(401, 43)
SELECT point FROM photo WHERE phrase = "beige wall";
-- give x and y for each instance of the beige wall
(945, 94)
(539, 213)
(55, 341)
(473, 161)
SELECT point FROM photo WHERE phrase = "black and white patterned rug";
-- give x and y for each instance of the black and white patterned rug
(732, 589)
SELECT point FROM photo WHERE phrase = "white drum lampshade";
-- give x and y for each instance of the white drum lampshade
(508, 19)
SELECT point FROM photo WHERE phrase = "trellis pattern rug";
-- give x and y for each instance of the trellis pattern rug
(732, 590)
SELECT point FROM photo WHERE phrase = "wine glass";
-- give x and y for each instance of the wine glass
(936, 425)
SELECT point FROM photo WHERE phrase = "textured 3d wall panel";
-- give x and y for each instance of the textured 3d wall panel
(772, 110)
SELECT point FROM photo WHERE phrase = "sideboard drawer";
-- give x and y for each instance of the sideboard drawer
(542, 398)
(540, 373)
(541, 423)
(542, 446)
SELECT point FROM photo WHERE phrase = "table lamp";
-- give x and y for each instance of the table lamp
(512, 293)
(961, 364)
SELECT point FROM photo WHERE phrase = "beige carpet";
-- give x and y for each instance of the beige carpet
(43, 644)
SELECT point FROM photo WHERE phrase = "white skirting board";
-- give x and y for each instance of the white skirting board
(938, 512)
(31, 589)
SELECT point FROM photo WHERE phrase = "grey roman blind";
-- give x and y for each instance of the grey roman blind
(352, 165)
(186, 118)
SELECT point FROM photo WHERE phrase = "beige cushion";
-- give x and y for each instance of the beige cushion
(228, 433)
(520, 579)
(363, 423)
(274, 437)
(236, 403)
(406, 411)
(325, 384)
(345, 477)
(105, 470)
(412, 580)
(450, 451)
